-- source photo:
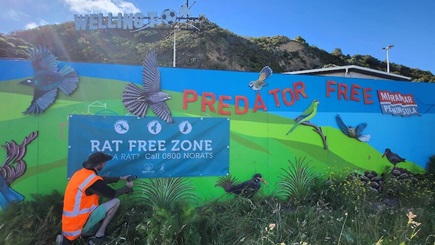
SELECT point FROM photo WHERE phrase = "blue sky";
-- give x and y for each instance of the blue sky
(356, 27)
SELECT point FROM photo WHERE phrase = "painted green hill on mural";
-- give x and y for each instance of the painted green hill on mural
(258, 140)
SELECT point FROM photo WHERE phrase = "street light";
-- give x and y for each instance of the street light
(176, 27)
(388, 62)
(175, 46)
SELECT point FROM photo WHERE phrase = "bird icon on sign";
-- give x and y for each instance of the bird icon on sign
(185, 127)
(154, 127)
(137, 100)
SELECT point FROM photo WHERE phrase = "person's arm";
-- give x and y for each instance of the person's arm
(102, 189)
(111, 180)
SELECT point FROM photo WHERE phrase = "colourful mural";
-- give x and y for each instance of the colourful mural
(336, 124)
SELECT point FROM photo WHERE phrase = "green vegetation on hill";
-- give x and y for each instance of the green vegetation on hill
(211, 48)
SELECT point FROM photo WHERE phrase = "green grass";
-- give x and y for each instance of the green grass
(345, 212)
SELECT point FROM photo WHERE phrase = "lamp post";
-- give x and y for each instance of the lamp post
(176, 27)
(388, 62)
(175, 46)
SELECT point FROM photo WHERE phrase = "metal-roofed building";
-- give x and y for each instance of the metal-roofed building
(351, 71)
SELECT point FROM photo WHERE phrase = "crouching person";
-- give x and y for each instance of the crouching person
(82, 214)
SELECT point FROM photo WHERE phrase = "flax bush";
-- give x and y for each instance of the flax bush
(173, 217)
(296, 181)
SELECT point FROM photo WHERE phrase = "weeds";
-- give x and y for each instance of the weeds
(31, 222)
(160, 211)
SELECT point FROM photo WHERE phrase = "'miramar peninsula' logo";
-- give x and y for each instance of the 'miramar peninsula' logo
(397, 104)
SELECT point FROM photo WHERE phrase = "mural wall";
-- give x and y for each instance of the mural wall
(336, 124)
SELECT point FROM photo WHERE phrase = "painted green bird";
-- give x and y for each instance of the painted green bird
(309, 113)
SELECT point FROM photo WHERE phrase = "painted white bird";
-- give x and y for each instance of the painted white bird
(137, 100)
(258, 84)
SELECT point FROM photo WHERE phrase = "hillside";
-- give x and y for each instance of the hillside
(210, 48)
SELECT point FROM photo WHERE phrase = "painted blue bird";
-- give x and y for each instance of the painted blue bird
(353, 132)
(309, 113)
(258, 84)
(137, 100)
(47, 79)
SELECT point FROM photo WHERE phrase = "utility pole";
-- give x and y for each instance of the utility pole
(388, 62)
(177, 27)
(174, 61)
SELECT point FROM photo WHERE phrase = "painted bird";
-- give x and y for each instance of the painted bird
(353, 132)
(393, 157)
(246, 189)
(258, 84)
(309, 113)
(47, 79)
(137, 100)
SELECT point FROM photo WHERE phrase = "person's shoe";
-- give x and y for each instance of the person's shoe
(59, 240)
(98, 240)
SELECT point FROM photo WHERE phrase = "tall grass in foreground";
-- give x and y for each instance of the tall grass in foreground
(341, 211)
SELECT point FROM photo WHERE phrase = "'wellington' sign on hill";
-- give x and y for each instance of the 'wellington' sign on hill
(131, 21)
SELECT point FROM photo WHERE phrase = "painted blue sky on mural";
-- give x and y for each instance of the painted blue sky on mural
(386, 130)
(352, 26)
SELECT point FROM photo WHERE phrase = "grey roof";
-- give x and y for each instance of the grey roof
(351, 68)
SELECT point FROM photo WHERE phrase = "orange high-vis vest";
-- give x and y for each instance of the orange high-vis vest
(77, 205)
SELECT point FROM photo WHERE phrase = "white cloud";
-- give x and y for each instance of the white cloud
(12, 14)
(101, 6)
(32, 25)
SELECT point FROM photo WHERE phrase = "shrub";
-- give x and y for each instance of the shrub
(296, 181)
(430, 166)
(173, 218)
(32, 222)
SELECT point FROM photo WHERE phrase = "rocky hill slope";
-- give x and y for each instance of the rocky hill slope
(211, 48)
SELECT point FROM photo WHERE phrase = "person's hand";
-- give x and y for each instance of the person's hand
(129, 184)
(124, 177)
